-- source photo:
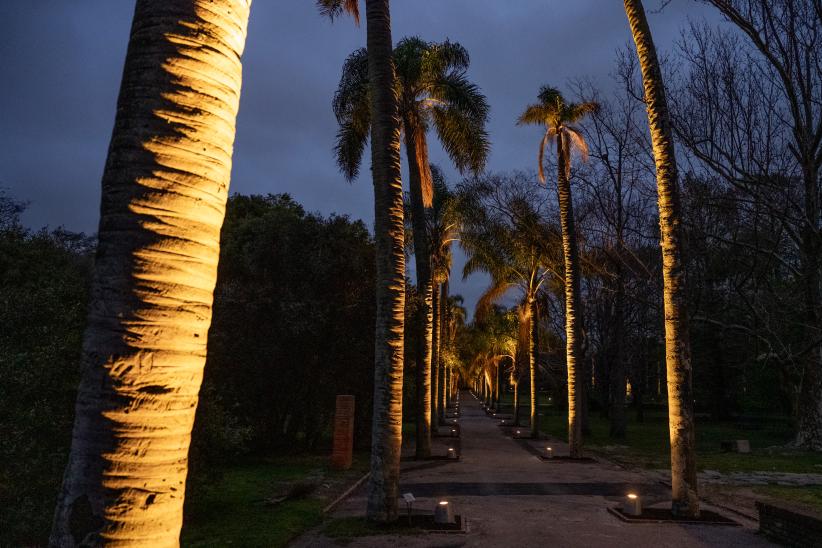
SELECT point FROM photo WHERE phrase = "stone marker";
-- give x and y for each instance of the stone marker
(343, 433)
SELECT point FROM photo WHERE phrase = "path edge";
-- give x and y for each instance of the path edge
(333, 504)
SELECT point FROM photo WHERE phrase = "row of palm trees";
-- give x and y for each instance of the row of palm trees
(164, 191)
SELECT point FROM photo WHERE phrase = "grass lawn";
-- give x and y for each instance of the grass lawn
(234, 510)
(646, 444)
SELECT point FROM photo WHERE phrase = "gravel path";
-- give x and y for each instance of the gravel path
(513, 498)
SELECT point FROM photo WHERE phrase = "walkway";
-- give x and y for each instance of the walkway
(513, 498)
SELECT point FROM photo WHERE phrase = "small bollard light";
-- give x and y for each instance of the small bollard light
(451, 453)
(443, 513)
(518, 433)
(503, 421)
(549, 452)
(632, 505)
(409, 501)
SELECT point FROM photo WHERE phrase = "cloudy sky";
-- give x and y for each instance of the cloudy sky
(62, 61)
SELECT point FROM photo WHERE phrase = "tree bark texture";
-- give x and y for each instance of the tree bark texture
(164, 192)
(685, 501)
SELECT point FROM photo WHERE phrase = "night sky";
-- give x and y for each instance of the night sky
(62, 62)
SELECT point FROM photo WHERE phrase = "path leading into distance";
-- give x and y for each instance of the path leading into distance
(511, 497)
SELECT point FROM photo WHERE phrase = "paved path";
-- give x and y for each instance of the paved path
(513, 498)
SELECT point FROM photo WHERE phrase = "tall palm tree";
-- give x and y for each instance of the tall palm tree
(433, 92)
(441, 227)
(504, 235)
(164, 193)
(558, 117)
(685, 500)
(381, 112)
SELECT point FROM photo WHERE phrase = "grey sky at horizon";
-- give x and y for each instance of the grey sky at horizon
(63, 62)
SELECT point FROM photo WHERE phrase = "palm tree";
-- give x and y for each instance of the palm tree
(685, 500)
(503, 233)
(441, 227)
(433, 93)
(557, 116)
(381, 112)
(164, 193)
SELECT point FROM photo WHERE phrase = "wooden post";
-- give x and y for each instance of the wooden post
(343, 433)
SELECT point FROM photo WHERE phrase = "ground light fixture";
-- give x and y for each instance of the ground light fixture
(549, 452)
(632, 505)
(451, 453)
(443, 513)
(409, 501)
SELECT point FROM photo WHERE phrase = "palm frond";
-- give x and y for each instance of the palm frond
(576, 140)
(541, 156)
(496, 291)
(550, 96)
(535, 114)
(445, 57)
(577, 111)
(463, 137)
(408, 61)
(352, 110)
(473, 265)
(353, 87)
(456, 91)
(348, 150)
(334, 8)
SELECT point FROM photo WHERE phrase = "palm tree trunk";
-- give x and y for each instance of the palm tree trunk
(685, 501)
(443, 324)
(422, 256)
(435, 370)
(389, 234)
(573, 304)
(164, 192)
(533, 348)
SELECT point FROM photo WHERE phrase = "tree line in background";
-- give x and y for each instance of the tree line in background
(744, 120)
(292, 327)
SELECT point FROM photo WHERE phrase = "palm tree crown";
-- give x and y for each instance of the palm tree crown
(558, 117)
(433, 92)
(335, 8)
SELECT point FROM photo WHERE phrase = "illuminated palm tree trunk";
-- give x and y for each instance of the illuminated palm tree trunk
(443, 327)
(533, 348)
(164, 192)
(685, 500)
(422, 255)
(435, 371)
(389, 233)
(572, 300)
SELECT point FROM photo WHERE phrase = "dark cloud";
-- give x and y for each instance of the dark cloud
(62, 62)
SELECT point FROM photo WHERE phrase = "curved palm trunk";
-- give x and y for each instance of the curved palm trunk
(389, 234)
(573, 303)
(164, 192)
(685, 500)
(422, 256)
(533, 348)
(435, 371)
